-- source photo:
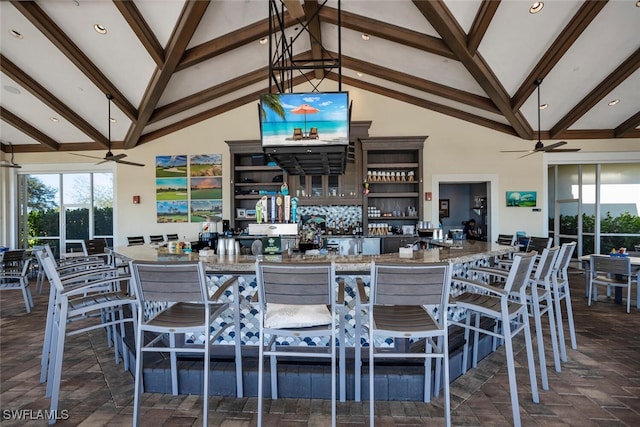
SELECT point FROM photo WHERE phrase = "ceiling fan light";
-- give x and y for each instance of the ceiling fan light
(536, 7)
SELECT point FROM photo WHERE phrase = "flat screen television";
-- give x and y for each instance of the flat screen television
(304, 119)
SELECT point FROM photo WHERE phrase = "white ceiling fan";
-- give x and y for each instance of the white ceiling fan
(540, 147)
(110, 157)
(10, 164)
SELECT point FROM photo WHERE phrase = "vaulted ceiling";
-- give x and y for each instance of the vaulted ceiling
(173, 63)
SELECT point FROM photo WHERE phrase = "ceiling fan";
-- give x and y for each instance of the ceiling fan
(110, 157)
(10, 164)
(540, 147)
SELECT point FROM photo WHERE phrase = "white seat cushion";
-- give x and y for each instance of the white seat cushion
(282, 316)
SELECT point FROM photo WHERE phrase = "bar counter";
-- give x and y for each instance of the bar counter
(459, 253)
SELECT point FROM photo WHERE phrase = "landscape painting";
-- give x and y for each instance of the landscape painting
(171, 189)
(170, 211)
(206, 210)
(521, 198)
(171, 166)
(206, 188)
(205, 165)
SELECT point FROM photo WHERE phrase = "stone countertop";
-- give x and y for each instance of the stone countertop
(466, 251)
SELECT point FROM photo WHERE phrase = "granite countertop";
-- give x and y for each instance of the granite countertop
(466, 251)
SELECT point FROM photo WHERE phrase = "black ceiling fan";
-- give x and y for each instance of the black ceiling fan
(110, 157)
(540, 147)
(10, 164)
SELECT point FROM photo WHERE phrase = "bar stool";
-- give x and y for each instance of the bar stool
(495, 303)
(560, 285)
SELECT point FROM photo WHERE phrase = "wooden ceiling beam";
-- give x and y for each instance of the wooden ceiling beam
(387, 31)
(560, 46)
(60, 40)
(419, 84)
(439, 16)
(423, 103)
(622, 72)
(209, 94)
(50, 100)
(28, 129)
(136, 21)
(481, 23)
(186, 26)
(235, 39)
(629, 125)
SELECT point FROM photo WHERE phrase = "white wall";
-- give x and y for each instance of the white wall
(453, 148)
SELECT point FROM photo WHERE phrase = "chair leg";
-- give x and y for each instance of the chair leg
(558, 308)
(343, 362)
(137, 394)
(445, 373)
(237, 340)
(572, 327)
(56, 371)
(205, 384)
(357, 337)
(27, 300)
(174, 365)
(465, 348)
(273, 360)
(511, 370)
(552, 328)
(260, 377)
(48, 331)
(476, 341)
(372, 399)
(427, 374)
(540, 340)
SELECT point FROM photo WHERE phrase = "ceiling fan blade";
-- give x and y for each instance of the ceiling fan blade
(515, 151)
(115, 157)
(84, 155)
(529, 153)
(553, 146)
(10, 165)
(125, 162)
(565, 150)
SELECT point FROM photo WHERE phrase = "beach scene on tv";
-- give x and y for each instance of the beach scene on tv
(314, 118)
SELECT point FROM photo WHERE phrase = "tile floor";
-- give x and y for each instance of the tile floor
(598, 386)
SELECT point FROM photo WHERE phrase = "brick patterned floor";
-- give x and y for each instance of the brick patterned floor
(598, 386)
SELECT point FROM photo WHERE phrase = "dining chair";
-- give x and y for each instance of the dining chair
(172, 237)
(561, 292)
(135, 240)
(11, 280)
(610, 271)
(156, 238)
(495, 303)
(296, 302)
(410, 302)
(96, 248)
(539, 297)
(79, 297)
(65, 265)
(12, 260)
(173, 300)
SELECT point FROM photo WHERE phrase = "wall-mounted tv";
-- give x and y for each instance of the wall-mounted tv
(304, 119)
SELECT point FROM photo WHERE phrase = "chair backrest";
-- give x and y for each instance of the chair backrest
(135, 240)
(520, 272)
(300, 284)
(539, 243)
(169, 281)
(545, 266)
(171, 237)
(564, 258)
(506, 239)
(94, 246)
(154, 238)
(601, 264)
(410, 284)
(14, 258)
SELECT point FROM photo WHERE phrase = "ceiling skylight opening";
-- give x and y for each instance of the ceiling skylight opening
(100, 29)
(536, 7)
(54, 119)
(15, 34)
(365, 37)
(263, 40)
(613, 102)
(544, 106)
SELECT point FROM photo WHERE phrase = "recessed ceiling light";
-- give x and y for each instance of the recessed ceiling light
(544, 106)
(613, 102)
(638, 3)
(536, 7)
(264, 40)
(365, 37)
(359, 74)
(11, 89)
(15, 34)
(99, 29)
(54, 119)
(112, 120)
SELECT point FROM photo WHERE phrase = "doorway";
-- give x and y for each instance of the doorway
(467, 197)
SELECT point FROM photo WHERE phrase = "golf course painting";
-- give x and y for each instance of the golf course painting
(171, 189)
(171, 211)
(206, 188)
(171, 166)
(205, 165)
(206, 210)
